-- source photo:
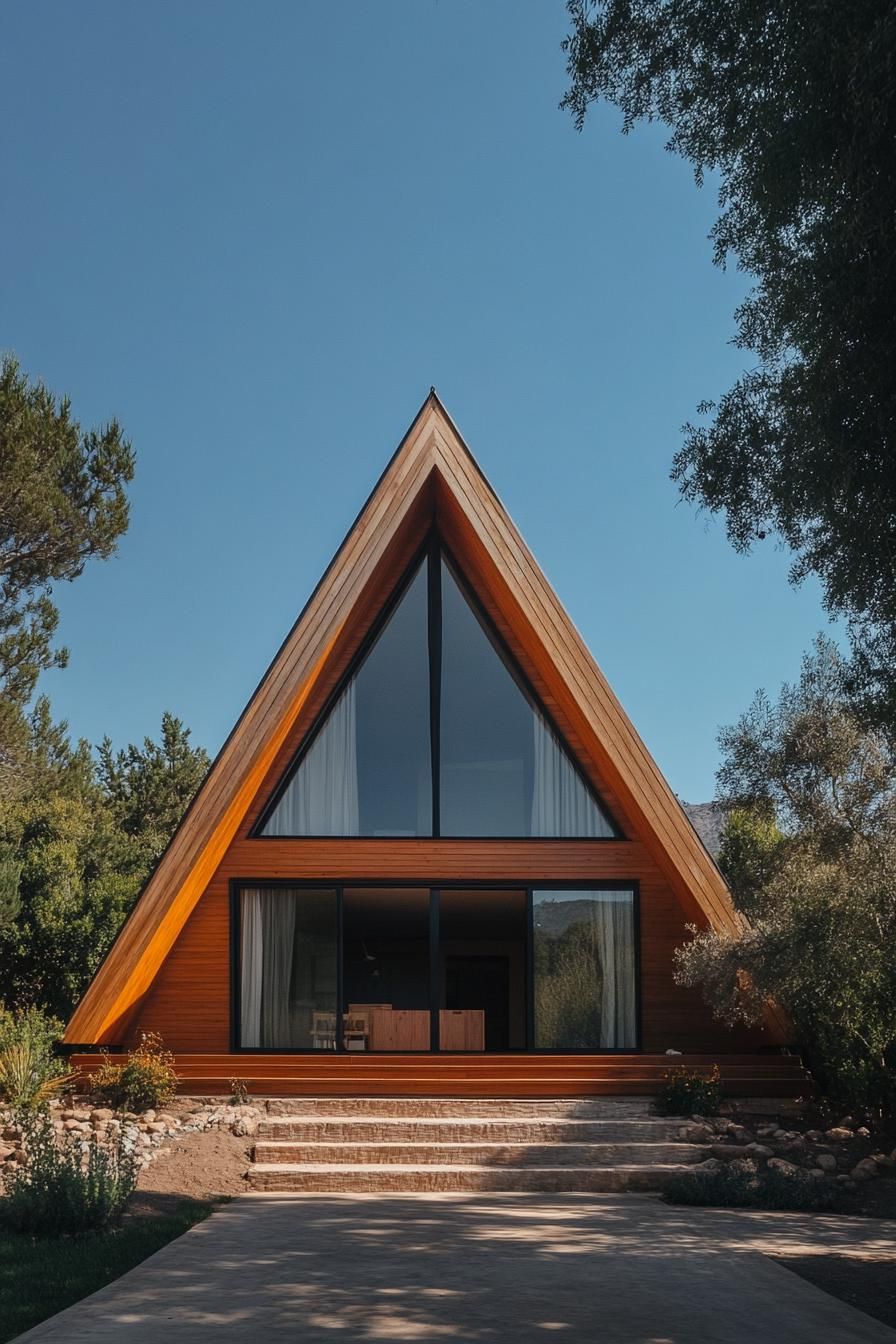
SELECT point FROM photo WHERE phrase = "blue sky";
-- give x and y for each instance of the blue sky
(257, 234)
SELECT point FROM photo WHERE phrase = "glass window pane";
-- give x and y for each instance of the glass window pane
(584, 969)
(368, 769)
(386, 975)
(503, 771)
(288, 952)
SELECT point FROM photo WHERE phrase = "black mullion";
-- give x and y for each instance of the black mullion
(340, 944)
(434, 970)
(434, 632)
(530, 970)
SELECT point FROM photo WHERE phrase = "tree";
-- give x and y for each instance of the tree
(810, 854)
(793, 106)
(81, 839)
(62, 500)
(148, 788)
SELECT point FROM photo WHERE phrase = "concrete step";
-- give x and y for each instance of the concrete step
(333, 1178)
(479, 1155)
(578, 1108)
(464, 1129)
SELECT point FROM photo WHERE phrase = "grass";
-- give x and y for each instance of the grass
(39, 1278)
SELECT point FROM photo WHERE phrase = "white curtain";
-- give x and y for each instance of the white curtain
(252, 968)
(268, 925)
(322, 796)
(278, 916)
(561, 804)
(614, 921)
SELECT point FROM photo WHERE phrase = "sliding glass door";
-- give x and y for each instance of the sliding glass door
(289, 968)
(398, 968)
(584, 969)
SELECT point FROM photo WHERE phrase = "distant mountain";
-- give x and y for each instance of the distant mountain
(708, 820)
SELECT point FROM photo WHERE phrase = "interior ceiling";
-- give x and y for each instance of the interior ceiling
(394, 912)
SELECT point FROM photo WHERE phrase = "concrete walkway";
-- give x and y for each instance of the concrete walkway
(605, 1268)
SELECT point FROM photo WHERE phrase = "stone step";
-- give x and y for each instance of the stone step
(333, 1178)
(580, 1108)
(464, 1129)
(479, 1155)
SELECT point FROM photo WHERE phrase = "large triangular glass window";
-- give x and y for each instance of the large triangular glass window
(500, 770)
(368, 768)
(503, 770)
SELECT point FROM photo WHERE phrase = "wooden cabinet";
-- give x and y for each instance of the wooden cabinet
(461, 1029)
(399, 1029)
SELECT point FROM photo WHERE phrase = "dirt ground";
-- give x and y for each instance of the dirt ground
(204, 1166)
(869, 1285)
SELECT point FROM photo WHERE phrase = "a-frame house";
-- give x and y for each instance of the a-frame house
(434, 855)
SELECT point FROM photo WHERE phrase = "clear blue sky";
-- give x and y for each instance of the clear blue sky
(258, 233)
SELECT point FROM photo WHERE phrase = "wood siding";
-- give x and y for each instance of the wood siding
(169, 970)
(189, 1002)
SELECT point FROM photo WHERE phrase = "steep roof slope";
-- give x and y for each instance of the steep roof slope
(432, 477)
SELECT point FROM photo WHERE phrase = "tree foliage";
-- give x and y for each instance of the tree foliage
(84, 834)
(62, 501)
(810, 854)
(793, 106)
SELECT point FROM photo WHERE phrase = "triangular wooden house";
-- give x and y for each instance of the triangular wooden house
(433, 855)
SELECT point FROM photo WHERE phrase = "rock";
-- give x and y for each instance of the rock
(737, 1132)
(696, 1133)
(102, 1113)
(863, 1133)
(816, 1173)
(847, 1122)
(726, 1152)
(839, 1134)
(778, 1164)
(881, 1159)
(75, 1126)
(758, 1150)
(743, 1166)
(168, 1120)
(245, 1124)
(846, 1182)
(781, 1134)
(19, 1155)
(148, 1117)
(10, 1133)
(864, 1170)
(814, 1135)
(711, 1166)
(673, 1052)
(157, 1127)
(827, 1161)
(765, 1131)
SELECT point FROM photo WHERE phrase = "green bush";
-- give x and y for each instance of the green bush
(59, 1192)
(146, 1080)
(685, 1092)
(30, 1071)
(733, 1187)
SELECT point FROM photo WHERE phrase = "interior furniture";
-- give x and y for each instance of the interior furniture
(323, 1031)
(461, 1029)
(399, 1029)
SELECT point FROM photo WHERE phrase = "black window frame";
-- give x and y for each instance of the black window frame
(431, 553)
(435, 886)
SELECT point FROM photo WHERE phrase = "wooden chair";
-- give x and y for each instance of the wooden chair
(355, 1030)
(323, 1031)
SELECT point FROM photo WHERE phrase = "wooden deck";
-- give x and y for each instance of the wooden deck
(485, 1075)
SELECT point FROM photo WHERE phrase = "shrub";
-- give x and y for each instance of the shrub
(146, 1080)
(732, 1187)
(687, 1093)
(30, 1071)
(62, 1191)
(239, 1091)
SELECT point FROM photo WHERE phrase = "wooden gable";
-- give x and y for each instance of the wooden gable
(432, 480)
